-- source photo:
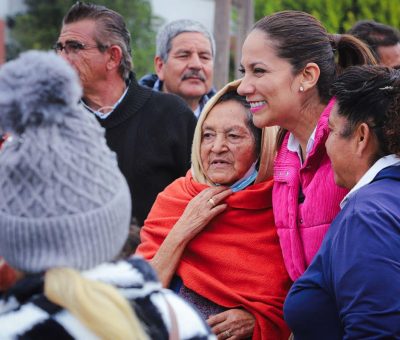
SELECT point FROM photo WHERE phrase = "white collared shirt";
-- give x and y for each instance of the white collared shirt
(368, 177)
(197, 112)
(294, 145)
(104, 115)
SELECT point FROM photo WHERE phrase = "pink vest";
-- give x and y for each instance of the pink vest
(302, 220)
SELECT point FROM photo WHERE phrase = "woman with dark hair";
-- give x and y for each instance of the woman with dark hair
(353, 282)
(211, 235)
(288, 65)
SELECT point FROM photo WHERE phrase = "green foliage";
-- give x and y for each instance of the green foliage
(39, 26)
(336, 15)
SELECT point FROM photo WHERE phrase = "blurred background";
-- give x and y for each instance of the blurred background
(35, 24)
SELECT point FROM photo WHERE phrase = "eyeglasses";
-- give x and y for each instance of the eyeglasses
(76, 46)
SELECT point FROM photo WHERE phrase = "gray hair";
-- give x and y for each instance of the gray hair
(173, 29)
(110, 27)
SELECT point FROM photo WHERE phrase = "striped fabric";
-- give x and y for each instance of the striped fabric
(25, 313)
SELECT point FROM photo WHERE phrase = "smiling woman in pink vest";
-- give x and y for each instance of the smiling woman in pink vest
(288, 64)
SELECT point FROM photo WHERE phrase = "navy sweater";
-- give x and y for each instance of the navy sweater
(352, 288)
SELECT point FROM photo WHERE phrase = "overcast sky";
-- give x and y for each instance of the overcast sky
(200, 10)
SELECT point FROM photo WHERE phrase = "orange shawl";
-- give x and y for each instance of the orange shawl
(7, 276)
(236, 260)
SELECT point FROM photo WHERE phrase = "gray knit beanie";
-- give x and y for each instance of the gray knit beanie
(64, 201)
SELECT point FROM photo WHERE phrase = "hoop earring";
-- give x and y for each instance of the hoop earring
(301, 88)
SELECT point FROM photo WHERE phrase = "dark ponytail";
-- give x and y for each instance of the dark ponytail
(351, 51)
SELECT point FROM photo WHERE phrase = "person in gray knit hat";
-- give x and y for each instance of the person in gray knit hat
(64, 213)
(56, 174)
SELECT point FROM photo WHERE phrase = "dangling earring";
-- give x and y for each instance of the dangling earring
(301, 88)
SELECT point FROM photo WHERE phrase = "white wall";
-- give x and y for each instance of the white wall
(8, 7)
(200, 10)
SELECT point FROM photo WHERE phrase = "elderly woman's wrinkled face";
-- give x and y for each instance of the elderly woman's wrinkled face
(227, 145)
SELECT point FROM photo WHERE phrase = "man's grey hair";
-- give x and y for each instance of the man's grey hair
(110, 29)
(174, 28)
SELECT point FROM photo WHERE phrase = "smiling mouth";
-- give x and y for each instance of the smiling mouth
(256, 106)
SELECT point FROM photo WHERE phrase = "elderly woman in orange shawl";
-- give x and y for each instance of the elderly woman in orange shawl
(211, 235)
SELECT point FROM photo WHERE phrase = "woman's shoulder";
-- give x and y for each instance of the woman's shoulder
(131, 274)
(159, 309)
(26, 313)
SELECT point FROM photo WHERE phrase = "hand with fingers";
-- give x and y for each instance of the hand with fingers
(232, 324)
(201, 210)
(198, 213)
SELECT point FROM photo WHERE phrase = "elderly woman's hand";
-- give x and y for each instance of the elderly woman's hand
(200, 211)
(232, 324)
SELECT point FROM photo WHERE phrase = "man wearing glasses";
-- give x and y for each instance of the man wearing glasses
(150, 132)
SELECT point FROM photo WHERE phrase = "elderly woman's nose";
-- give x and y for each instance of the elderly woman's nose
(219, 143)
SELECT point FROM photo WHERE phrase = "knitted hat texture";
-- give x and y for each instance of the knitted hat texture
(64, 201)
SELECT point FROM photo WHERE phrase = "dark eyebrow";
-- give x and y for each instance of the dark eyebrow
(257, 63)
(73, 41)
(183, 51)
(188, 51)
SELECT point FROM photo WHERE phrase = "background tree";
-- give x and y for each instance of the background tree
(337, 15)
(39, 26)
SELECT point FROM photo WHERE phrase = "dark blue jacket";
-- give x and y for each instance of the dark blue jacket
(352, 288)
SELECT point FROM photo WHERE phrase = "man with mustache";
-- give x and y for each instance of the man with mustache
(184, 63)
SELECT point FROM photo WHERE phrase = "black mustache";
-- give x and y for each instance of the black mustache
(194, 74)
